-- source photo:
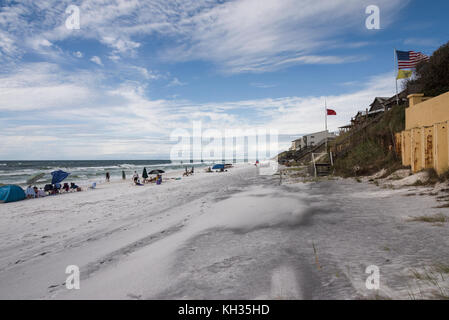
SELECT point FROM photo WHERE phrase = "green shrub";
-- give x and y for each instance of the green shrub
(373, 149)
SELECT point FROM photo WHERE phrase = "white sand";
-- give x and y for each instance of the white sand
(219, 236)
(40, 237)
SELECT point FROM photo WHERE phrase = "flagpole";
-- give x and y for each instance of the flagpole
(395, 70)
(325, 122)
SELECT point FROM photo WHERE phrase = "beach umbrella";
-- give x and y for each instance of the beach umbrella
(218, 166)
(144, 173)
(58, 176)
(156, 171)
(34, 178)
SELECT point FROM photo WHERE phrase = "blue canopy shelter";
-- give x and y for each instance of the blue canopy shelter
(218, 167)
(11, 193)
(58, 176)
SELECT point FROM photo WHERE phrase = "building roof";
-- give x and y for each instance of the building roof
(380, 100)
(378, 103)
(402, 96)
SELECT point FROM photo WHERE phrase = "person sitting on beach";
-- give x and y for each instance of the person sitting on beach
(36, 191)
(41, 193)
(56, 188)
(48, 188)
(66, 187)
(135, 177)
(30, 193)
(73, 186)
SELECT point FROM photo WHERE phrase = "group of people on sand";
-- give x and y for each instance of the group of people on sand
(188, 172)
(34, 192)
(158, 179)
(50, 189)
(137, 182)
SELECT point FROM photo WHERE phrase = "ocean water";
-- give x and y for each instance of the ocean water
(17, 172)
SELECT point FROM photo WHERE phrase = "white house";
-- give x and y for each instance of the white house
(311, 140)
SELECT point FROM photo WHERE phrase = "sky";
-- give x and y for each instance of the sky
(136, 72)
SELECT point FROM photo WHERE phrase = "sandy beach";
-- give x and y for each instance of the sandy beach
(232, 235)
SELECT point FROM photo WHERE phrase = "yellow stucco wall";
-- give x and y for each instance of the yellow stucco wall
(440, 151)
(405, 146)
(427, 113)
(416, 145)
(427, 147)
(425, 142)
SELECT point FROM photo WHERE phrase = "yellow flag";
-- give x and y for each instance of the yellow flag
(404, 74)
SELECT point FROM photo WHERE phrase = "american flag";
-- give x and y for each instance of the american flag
(410, 59)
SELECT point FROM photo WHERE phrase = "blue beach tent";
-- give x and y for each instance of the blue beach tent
(218, 167)
(58, 176)
(11, 193)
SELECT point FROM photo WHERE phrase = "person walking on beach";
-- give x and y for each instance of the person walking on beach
(107, 176)
(123, 175)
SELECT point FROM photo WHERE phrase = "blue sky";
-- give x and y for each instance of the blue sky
(136, 71)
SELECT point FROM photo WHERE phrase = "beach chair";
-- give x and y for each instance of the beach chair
(93, 186)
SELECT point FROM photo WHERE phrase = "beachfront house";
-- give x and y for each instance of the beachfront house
(311, 140)
(378, 105)
(296, 144)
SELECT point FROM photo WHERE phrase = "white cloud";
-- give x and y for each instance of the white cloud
(97, 60)
(176, 82)
(239, 36)
(78, 117)
(78, 54)
(257, 36)
(422, 42)
(263, 85)
(147, 74)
